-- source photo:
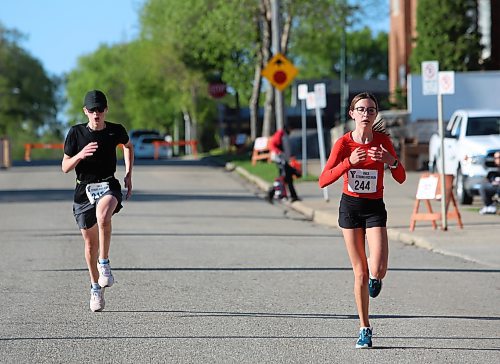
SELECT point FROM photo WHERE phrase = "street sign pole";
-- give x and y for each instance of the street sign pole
(446, 86)
(343, 95)
(443, 182)
(304, 137)
(302, 96)
(431, 86)
(321, 142)
(319, 103)
(278, 94)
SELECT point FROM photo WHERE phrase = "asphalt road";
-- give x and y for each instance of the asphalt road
(208, 272)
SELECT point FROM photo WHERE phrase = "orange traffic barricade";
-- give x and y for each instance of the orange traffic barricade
(29, 146)
(192, 143)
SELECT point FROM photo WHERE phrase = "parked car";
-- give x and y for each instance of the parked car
(471, 139)
(144, 147)
(134, 134)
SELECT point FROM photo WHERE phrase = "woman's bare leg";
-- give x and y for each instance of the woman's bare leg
(355, 243)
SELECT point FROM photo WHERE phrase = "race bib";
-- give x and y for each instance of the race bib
(95, 191)
(362, 180)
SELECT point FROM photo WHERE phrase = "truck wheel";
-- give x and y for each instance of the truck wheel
(464, 198)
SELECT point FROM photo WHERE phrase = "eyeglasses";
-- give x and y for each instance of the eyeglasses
(368, 110)
(99, 109)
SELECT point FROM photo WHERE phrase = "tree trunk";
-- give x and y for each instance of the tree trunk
(193, 115)
(238, 113)
(285, 34)
(255, 127)
(254, 99)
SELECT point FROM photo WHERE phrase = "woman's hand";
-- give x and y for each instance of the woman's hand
(380, 154)
(357, 155)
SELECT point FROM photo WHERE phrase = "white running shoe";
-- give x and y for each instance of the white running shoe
(97, 300)
(105, 276)
(488, 210)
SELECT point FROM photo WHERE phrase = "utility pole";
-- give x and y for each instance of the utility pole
(343, 96)
(276, 45)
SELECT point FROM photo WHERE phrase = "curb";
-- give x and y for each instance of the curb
(263, 185)
(330, 220)
(321, 217)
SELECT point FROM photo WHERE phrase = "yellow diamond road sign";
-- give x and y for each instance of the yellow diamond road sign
(280, 71)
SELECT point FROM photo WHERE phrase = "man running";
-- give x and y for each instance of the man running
(90, 149)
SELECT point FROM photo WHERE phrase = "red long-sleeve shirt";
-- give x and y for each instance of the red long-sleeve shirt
(276, 142)
(359, 179)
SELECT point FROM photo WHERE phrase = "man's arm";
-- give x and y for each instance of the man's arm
(128, 156)
(69, 163)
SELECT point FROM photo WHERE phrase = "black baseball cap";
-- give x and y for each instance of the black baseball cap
(95, 99)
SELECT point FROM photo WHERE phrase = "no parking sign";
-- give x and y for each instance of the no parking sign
(447, 82)
(430, 70)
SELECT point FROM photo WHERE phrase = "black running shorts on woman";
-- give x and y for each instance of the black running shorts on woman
(356, 212)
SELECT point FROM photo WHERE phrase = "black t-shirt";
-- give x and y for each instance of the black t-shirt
(102, 164)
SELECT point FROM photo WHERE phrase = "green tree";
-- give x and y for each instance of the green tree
(447, 31)
(184, 44)
(102, 70)
(319, 55)
(28, 103)
(188, 53)
(147, 85)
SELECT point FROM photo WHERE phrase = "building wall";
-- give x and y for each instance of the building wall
(495, 34)
(402, 31)
(401, 35)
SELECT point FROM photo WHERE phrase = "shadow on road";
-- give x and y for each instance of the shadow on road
(270, 269)
(44, 195)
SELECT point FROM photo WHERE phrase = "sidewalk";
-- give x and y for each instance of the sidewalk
(478, 241)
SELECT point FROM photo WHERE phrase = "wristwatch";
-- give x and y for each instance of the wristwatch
(394, 165)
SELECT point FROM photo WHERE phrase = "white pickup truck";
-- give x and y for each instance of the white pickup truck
(471, 139)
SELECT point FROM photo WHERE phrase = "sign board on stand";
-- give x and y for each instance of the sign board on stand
(429, 189)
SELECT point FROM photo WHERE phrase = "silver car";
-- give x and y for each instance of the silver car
(145, 149)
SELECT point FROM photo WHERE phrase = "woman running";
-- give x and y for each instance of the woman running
(360, 157)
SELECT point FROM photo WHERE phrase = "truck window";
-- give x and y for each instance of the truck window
(455, 132)
(483, 126)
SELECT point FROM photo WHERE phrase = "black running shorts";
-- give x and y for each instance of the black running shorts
(356, 212)
(85, 213)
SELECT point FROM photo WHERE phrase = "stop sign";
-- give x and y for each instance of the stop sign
(217, 90)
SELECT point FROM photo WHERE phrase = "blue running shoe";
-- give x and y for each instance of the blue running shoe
(374, 287)
(365, 338)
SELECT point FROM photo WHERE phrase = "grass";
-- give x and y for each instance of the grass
(267, 171)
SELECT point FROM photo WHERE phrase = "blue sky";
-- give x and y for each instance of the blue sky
(59, 31)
